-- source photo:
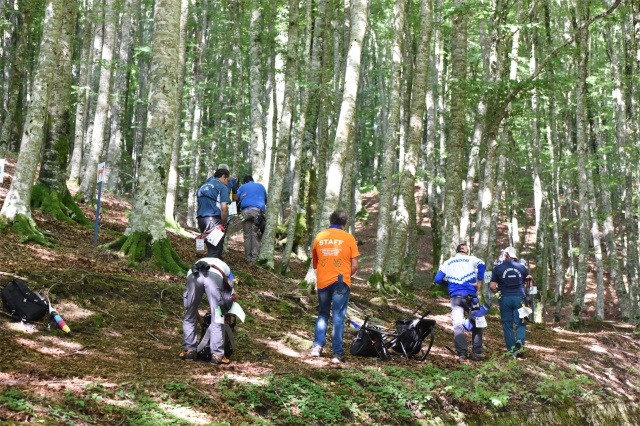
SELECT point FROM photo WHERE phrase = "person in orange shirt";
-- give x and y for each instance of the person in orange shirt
(335, 259)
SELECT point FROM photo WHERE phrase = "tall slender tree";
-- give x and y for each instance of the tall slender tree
(276, 182)
(88, 182)
(145, 235)
(16, 209)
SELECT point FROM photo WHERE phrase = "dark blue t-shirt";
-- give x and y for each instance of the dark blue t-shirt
(510, 278)
(210, 195)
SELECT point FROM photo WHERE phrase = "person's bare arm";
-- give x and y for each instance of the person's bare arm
(224, 213)
(354, 266)
(493, 286)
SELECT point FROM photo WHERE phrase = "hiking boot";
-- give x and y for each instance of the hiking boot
(188, 355)
(338, 359)
(462, 358)
(476, 357)
(217, 359)
(316, 351)
(518, 350)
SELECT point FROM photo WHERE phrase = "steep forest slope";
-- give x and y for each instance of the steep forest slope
(120, 363)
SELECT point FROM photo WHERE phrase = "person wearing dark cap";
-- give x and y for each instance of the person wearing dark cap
(213, 208)
(253, 199)
(508, 279)
(463, 274)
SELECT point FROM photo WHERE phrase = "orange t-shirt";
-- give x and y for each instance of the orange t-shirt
(332, 252)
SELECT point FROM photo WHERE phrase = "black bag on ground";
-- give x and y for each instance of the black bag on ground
(203, 351)
(367, 343)
(411, 333)
(22, 303)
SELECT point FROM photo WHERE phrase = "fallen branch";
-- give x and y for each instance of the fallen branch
(9, 274)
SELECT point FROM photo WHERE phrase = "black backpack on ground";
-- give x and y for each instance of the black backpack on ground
(367, 343)
(22, 303)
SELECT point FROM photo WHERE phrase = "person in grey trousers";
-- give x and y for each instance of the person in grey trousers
(207, 281)
(253, 199)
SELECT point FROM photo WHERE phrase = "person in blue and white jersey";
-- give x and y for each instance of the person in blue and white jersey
(463, 274)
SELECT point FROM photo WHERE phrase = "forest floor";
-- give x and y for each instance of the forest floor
(120, 363)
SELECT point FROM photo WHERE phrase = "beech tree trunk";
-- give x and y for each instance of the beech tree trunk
(112, 174)
(82, 101)
(16, 208)
(457, 134)
(389, 147)
(344, 127)
(582, 147)
(276, 182)
(256, 93)
(89, 181)
(172, 180)
(145, 236)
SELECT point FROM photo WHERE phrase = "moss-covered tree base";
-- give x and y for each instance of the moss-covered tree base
(139, 247)
(25, 226)
(266, 263)
(61, 206)
(172, 225)
(384, 285)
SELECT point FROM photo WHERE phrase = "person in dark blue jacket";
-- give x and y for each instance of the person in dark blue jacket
(463, 274)
(253, 199)
(508, 278)
(213, 208)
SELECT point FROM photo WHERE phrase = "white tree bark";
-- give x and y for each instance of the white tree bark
(582, 41)
(276, 183)
(147, 213)
(172, 181)
(112, 177)
(88, 182)
(84, 90)
(257, 146)
(390, 141)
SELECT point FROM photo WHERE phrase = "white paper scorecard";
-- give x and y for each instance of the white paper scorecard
(481, 322)
(232, 208)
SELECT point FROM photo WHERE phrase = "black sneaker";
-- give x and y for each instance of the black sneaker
(462, 358)
(476, 357)
(188, 355)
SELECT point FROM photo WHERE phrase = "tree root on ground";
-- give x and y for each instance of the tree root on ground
(60, 205)
(27, 227)
(139, 247)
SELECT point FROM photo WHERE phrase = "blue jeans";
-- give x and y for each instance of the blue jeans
(509, 316)
(337, 295)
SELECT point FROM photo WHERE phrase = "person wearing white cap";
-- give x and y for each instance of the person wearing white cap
(508, 278)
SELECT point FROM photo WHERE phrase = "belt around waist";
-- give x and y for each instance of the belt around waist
(252, 208)
(209, 217)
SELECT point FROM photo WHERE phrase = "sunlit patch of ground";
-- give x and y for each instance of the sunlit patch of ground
(187, 414)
